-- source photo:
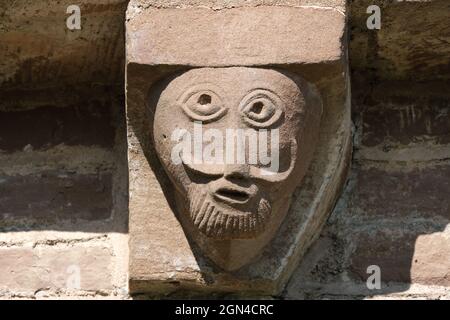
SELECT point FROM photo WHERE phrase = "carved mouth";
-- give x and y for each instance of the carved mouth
(232, 195)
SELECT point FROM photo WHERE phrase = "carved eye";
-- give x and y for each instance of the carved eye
(261, 109)
(203, 105)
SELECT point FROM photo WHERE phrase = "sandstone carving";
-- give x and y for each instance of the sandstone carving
(238, 143)
(232, 210)
(225, 179)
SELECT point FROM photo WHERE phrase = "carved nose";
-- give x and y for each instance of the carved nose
(236, 171)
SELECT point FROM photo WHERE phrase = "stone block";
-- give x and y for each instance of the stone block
(39, 51)
(393, 126)
(309, 42)
(412, 44)
(404, 257)
(46, 127)
(414, 193)
(56, 196)
(229, 4)
(243, 36)
(29, 270)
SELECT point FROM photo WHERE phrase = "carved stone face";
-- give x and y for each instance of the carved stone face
(236, 143)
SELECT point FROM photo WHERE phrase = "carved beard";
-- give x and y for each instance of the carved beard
(222, 222)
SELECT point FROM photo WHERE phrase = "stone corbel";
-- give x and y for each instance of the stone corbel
(290, 60)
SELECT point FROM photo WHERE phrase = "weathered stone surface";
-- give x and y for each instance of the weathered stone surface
(254, 36)
(406, 258)
(397, 66)
(38, 50)
(70, 159)
(46, 127)
(413, 260)
(393, 125)
(431, 261)
(25, 270)
(228, 4)
(412, 43)
(232, 210)
(392, 93)
(416, 193)
(63, 173)
(395, 210)
(324, 263)
(162, 260)
(393, 213)
(53, 196)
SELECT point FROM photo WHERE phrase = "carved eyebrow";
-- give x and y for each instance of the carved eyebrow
(260, 88)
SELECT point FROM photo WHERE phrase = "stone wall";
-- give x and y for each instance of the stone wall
(63, 166)
(63, 176)
(395, 210)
